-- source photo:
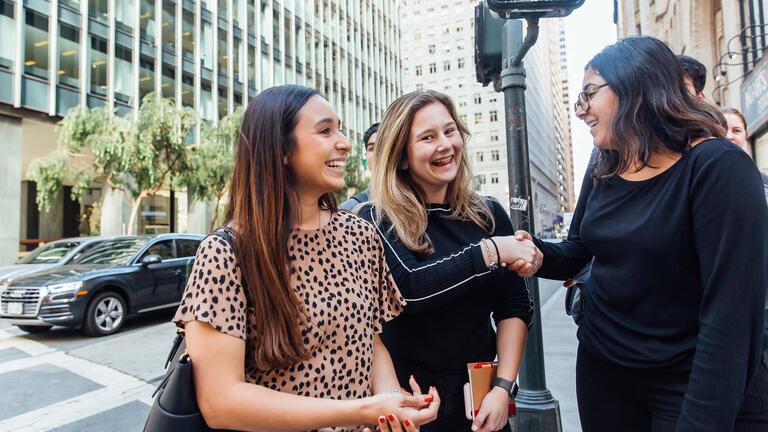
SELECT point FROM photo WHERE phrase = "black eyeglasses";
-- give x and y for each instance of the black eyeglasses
(582, 101)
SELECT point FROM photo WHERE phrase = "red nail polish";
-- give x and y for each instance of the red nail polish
(428, 398)
(407, 423)
(382, 420)
(391, 418)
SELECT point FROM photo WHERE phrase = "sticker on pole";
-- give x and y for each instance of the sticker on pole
(518, 204)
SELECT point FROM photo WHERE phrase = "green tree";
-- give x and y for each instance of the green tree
(354, 175)
(211, 162)
(136, 156)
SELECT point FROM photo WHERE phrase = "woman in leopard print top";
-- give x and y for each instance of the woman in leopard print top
(297, 348)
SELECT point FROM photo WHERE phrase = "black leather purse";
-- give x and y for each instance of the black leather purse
(574, 295)
(175, 406)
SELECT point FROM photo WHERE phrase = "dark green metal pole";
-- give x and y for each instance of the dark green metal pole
(538, 410)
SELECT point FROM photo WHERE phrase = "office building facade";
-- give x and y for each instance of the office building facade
(212, 56)
(438, 54)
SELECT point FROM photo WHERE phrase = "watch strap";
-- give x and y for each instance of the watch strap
(510, 387)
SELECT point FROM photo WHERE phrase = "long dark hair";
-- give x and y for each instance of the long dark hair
(262, 207)
(655, 109)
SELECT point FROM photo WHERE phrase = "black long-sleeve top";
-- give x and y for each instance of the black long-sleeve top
(679, 275)
(450, 294)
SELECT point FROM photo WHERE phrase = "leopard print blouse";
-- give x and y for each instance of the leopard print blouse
(339, 273)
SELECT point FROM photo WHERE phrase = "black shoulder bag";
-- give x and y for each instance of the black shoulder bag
(574, 295)
(175, 407)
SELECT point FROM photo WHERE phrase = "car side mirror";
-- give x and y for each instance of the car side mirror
(151, 259)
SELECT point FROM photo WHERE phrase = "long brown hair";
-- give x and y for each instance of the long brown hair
(397, 196)
(655, 109)
(262, 208)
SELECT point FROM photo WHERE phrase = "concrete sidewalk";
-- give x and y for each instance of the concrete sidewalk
(560, 343)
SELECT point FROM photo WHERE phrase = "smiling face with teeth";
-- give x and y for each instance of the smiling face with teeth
(603, 105)
(434, 150)
(317, 160)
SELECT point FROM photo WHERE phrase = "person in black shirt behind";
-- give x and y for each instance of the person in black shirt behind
(443, 244)
(369, 138)
(674, 215)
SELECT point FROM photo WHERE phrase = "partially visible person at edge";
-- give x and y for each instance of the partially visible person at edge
(671, 333)
(283, 326)
(737, 133)
(443, 244)
(369, 138)
(694, 75)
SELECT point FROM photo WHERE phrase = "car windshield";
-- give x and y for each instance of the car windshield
(50, 253)
(113, 252)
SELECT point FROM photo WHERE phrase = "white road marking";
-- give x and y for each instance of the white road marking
(118, 388)
(74, 409)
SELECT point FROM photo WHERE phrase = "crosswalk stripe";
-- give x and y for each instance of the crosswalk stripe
(74, 409)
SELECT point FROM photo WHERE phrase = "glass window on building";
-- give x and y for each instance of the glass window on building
(123, 74)
(188, 35)
(252, 59)
(222, 102)
(147, 20)
(277, 75)
(188, 90)
(222, 9)
(99, 9)
(69, 55)
(124, 14)
(264, 69)
(237, 11)
(36, 45)
(8, 30)
(206, 51)
(168, 84)
(98, 55)
(237, 59)
(146, 76)
(276, 30)
(223, 53)
(72, 4)
(155, 215)
(206, 102)
(169, 26)
(289, 39)
(251, 18)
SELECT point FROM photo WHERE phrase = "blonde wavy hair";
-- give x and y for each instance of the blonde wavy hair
(394, 193)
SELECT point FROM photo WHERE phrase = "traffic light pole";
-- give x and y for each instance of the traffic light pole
(537, 409)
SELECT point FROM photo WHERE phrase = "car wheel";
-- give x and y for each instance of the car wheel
(105, 314)
(34, 329)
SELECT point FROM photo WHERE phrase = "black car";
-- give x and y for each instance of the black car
(100, 289)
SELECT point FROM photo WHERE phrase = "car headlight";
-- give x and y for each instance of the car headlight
(64, 289)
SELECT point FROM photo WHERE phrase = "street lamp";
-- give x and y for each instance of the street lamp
(537, 410)
(514, 9)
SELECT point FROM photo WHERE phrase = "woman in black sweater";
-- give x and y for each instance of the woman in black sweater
(443, 245)
(675, 218)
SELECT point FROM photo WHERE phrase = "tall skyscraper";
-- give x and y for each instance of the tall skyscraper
(209, 55)
(438, 54)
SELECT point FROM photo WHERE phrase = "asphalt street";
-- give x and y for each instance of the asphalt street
(65, 381)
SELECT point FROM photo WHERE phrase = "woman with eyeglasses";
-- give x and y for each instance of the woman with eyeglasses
(673, 214)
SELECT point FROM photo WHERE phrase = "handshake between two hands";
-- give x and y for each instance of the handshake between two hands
(519, 254)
